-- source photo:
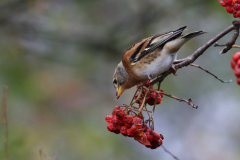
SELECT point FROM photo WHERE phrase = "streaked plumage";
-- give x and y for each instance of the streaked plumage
(149, 58)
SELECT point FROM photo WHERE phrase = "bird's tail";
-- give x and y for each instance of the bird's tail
(193, 34)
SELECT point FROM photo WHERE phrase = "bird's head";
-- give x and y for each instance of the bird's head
(119, 79)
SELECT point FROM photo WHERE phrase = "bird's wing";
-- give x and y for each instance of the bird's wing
(155, 42)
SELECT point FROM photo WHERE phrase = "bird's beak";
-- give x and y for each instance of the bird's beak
(119, 92)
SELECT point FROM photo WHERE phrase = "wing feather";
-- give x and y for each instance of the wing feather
(156, 42)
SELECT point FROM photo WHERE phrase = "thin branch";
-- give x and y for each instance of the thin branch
(223, 45)
(189, 101)
(178, 61)
(169, 153)
(190, 59)
(5, 121)
(197, 66)
(230, 43)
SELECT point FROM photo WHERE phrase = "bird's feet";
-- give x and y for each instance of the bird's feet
(174, 71)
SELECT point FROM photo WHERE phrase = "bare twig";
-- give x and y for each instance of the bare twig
(189, 102)
(5, 121)
(230, 43)
(169, 153)
(223, 45)
(190, 59)
(197, 66)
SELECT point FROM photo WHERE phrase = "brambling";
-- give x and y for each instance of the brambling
(149, 58)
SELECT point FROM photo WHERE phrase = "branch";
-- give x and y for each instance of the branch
(169, 153)
(190, 59)
(197, 66)
(232, 41)
(189, 101)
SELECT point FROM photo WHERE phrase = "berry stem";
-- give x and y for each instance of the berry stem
(156, 97)
(138, 98)
(151, 118)
(190, 102)
(134, 96)
(144, 100)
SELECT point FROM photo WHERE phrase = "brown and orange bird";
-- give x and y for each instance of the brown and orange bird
(149, 58)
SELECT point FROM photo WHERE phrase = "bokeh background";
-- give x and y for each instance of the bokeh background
(58, 57)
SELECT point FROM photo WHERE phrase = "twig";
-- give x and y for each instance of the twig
(223, 45)
(178, 61)
(169, 153)
(190, 59)
(230, 43)
(189, 101)
(5, 121)
(197, 66)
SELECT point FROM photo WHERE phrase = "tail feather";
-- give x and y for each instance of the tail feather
(193, 34)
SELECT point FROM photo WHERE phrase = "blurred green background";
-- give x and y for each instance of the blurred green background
(58, 58)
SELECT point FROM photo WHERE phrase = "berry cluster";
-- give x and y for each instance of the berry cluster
(132, 126)
(151, 97)
(232, 7)
(235, 64)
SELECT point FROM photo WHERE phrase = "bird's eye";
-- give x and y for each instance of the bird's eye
(114, 81)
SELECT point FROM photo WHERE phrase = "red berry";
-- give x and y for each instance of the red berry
(222, 3)
(145, 127)
(138, 135)
(237, 70)
(115, 120)
(123, 130)
(128, 119)
(156, 136)
(118, 127)
(229, 9)
(233, 64)
(159, 100)
(236, 56)
(228, 2)
(160, 141)
(236, 6)
(153, 95)
(161, 95)
(151, 102)
(238, 63)
(238, 80)
(139, 125)
(128, 125)
(120, 114)
(148, 130)
(149, 136)
(142, 138)
(109, 119)
(134, 128)
(112, 128)
(136, 120)
(115, 110)
(149, 81)
(130, 133)
(236, 14)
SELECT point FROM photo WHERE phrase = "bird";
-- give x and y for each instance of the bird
(149, 58)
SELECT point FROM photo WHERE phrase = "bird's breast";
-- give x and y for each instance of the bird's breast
(154, 64)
